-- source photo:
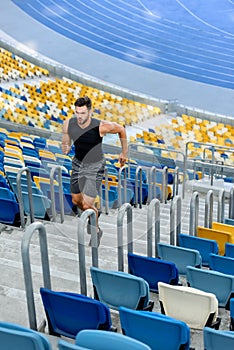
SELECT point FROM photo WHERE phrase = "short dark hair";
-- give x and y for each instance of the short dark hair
(83, 101)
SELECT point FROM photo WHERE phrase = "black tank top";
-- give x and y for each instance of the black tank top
(88, 142)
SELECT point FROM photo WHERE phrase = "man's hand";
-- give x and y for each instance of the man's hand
(65, 148)
(122, 159)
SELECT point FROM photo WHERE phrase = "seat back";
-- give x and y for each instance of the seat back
(16, 337)
(203, 245)
(69, 313)
(40, 204)
(181, 257)
(219, 226)
(220, 237)
(229, 221)
(152, 270)
(116, 288)
(152, 329)
(229, 250)
(190, 305)
(65, 345)
(9, 208)
(218, 339)
(102, 340)
(222, 264)
(220, 284)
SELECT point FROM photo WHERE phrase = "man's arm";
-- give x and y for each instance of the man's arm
(66, 141)
(115, 128)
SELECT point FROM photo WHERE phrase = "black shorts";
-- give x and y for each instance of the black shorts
(87, 177)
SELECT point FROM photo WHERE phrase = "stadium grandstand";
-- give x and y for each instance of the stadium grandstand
(166, 255)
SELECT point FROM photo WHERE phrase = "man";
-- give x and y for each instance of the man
(88, 164)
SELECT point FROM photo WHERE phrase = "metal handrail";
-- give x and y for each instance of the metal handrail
(25, 245)
(125, 208)
(89, 213)
(221, 206)
(121, 170)
(138, 184)
(175, 207)
(154, 207)
(20, 196)
(194, 212)
(61, 202)
(209, 205)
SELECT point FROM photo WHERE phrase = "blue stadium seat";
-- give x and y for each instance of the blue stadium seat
(222, 264)
(6, 193)
(41, 204)
(181, 257)
(103, 340)
(153, 270)
(16, 337)
(203, 245)
(69, 313)
(218, 339)
(232, 314)
(9, 210)
(218, 283)
(117, 288)
(153, 329)
(229, 221)
(229, 250)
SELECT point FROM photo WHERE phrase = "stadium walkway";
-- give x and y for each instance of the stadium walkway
(29, 35)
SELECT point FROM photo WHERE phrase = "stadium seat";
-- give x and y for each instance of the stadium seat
(229, 250)
(220, 237)
(203, 245)
(117, 288)
(219, 226)
(191, 305)
(103, 340)
(16, 337)
(69, 313)
(152, 270)
(6, 193)
(218, 339)
(153, 328)
(218, 283)
(229, 221)
(222, 264)
(181, 257)
(232, 314)
(41, 204)
(9, 209)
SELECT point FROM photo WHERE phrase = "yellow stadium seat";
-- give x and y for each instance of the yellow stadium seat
(220, 237)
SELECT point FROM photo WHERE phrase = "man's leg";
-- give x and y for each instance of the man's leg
(84, 202)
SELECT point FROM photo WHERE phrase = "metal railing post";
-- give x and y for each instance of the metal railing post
(121, 170)
(164, 184)
(175, 207)
(126, 207)
(81, 246)
(25, 245)
(61, 202)
(221, 206)
(231, 204)
(154, 206)
(20, 196)
(138, 184)
(209, 204)
(194, 213)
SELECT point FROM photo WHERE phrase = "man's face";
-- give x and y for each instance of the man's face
(82, 114)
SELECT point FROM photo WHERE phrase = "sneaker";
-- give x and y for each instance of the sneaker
(99, 236)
